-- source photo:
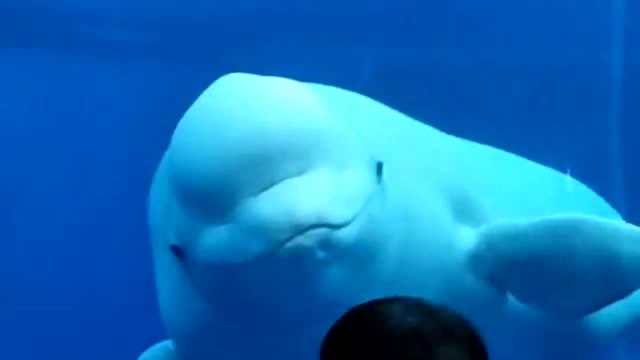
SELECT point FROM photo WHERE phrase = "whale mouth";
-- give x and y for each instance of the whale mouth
(314, 236)
(319, 237)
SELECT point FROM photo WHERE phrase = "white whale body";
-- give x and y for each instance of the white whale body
(278, 204)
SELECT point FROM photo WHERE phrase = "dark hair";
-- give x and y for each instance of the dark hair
(402, 328)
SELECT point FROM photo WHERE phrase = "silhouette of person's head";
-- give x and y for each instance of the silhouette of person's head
(402, 328)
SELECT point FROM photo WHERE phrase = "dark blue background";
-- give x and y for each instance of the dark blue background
(89, 96)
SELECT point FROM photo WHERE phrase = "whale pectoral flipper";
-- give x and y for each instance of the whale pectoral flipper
(568, 266)
(163, 350)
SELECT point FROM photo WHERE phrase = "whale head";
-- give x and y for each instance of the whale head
(261, 167)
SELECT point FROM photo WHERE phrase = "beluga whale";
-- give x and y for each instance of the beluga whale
(279, 204)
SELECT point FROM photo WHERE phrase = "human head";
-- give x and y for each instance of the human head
(402, 328)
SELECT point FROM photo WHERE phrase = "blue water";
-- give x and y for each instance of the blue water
(89, 94)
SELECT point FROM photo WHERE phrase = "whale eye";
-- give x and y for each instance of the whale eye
(379, 170)
(177, 251)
